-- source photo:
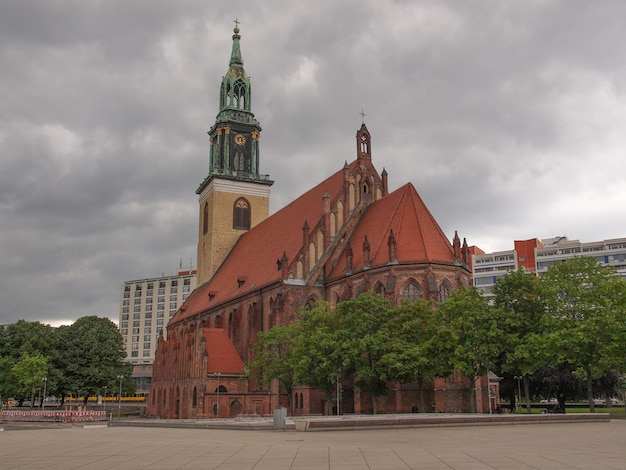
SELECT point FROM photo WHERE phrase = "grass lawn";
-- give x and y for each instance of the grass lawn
(614, 409)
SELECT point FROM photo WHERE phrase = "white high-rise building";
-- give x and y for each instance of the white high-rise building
(146, 305)
(537, 256)
(606, 252)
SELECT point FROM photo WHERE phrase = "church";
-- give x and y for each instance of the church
(346, 235)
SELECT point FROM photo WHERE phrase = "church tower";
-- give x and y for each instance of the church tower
(233, 197)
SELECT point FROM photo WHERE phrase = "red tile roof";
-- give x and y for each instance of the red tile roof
(253, 258)
(222, 356)
(255, 253)
(418, 236)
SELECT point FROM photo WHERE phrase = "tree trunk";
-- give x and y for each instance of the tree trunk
(561, 399)
(473, 399)
(422, 408)
(592, 405)
(527, 392)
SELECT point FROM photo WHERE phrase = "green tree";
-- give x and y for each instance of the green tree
(19, 338)
(586, 321)
(9, 386)
(559, 381)
(517, 295)
(419, 348)
(29, 372)
(26, 337)
(275, 358)
(91, 355)
(363, 339)
(478, 337)
(317, 348)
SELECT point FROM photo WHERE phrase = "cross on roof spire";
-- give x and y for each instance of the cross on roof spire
(236, 21)
(362, 113)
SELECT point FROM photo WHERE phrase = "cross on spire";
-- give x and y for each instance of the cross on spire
(236, 21)
(362, 113)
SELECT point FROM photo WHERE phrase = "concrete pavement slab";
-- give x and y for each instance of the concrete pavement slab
(590, 445)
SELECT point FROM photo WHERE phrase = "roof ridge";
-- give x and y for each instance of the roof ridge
(420, 225)
(398, 193)
(401, 208)
(432, 220)
(326, 182)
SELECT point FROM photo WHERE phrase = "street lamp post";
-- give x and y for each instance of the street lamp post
(43, 401)
(217, 374)
(338, 393)
(519, 391)
(104, 403)
(489, 391)
(119, 400)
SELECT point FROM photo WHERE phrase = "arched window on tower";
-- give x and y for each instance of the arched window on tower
(364, 143)
(239, 161)
(239, 95)
(241, 214)
(205, 218)
(224, 92)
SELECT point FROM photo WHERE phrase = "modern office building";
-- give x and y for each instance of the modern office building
(146, 305)
(536, 256)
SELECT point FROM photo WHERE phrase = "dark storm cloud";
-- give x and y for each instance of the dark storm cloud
(504, 115)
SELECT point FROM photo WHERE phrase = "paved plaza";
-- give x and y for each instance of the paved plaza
(600, 445)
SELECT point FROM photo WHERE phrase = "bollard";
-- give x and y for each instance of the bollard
(280, 416)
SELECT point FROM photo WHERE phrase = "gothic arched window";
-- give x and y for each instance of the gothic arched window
(205, 219)
(241, 214)
(239, 94)
(411, 291)
(444, 290)
(310, 304)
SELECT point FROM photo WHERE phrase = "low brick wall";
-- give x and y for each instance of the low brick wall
(434, 420)
(53, 416)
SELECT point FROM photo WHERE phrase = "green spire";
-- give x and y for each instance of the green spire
(235, 93)
(235, 55)
(234, 152)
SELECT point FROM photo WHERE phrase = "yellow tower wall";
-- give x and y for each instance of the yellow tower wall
(216, 243)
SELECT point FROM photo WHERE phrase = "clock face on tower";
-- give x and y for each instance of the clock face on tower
(240, 153)
(240, 140)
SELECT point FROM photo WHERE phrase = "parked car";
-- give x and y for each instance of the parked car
(602, 401)
(551, 400)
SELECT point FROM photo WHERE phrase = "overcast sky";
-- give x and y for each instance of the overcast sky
(507, 116)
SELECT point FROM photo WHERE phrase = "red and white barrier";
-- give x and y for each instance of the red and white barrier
(54, 416)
